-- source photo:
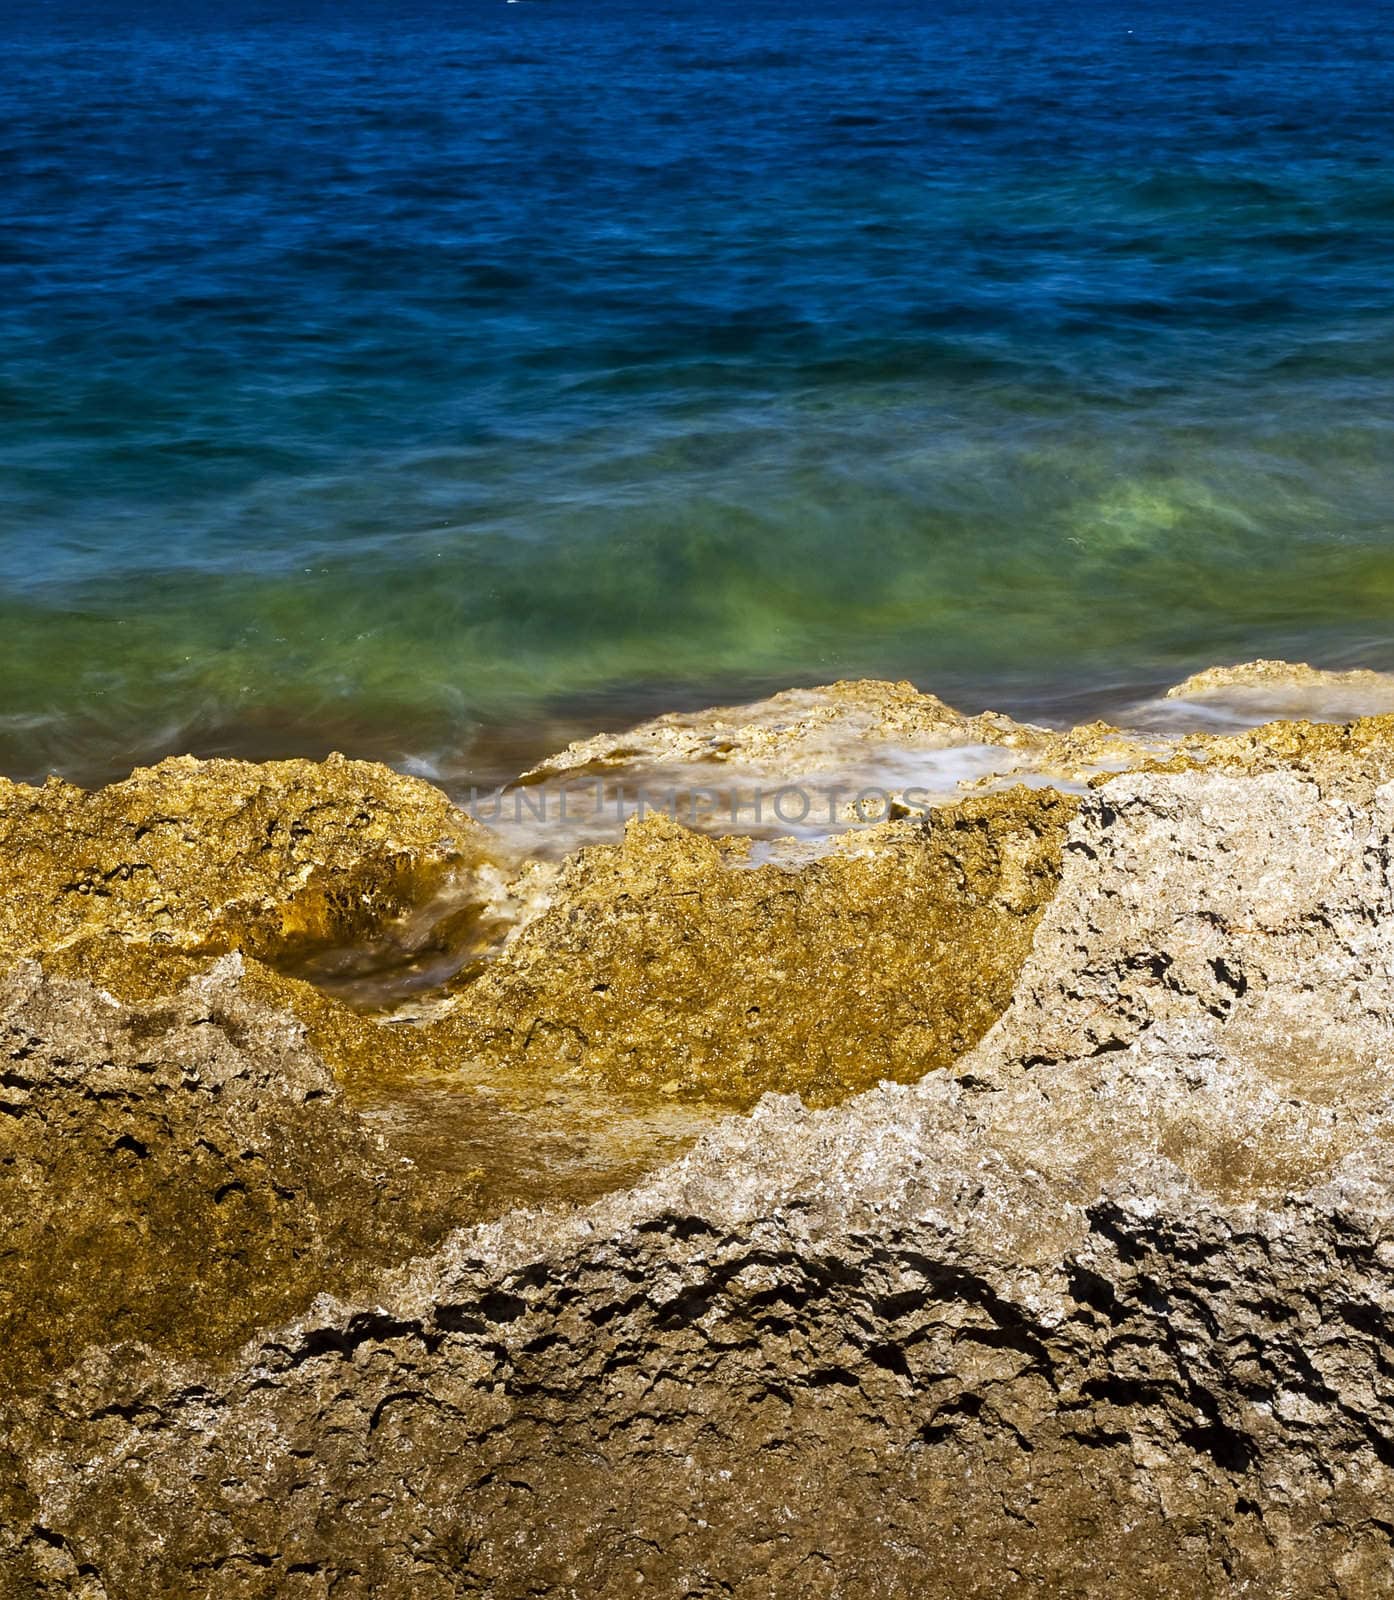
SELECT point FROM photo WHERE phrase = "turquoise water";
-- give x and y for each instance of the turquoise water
(432, 383)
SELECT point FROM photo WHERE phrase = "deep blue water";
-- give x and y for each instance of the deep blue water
(384, 377)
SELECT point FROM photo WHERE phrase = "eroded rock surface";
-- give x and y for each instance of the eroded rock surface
(672, 960)
(209, 856)
(809, 762)
(1106, 1308)
(176, 1175)
(800, 730)
(669, 963)
(1266, 689)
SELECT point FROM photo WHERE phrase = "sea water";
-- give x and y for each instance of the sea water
(437, 380)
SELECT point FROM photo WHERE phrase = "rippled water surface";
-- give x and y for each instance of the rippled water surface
(435, 380)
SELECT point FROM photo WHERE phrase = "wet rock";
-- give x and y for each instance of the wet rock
(1265, 689)
(800, 730)
(809, 763)
(1357, 755)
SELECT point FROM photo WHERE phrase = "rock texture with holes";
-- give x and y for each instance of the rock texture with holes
(675, 961)
(176, 1175)
(210, 856)
(1105, 1309)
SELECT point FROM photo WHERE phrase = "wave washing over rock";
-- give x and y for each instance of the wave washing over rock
(994, 1199)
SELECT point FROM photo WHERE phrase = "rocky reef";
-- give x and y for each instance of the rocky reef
(988, 1201)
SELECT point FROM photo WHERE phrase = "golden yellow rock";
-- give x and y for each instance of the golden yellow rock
(672, 960)
(670, 963)
(833, 743)
(178, 1172)
(1286, 686)
(1359, 750)
(136, 973)
(802, 730)
(207, 856)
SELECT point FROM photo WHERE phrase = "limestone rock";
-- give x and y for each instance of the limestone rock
(674, 960)
(1267, 689)
(176, 1175)
(209, 856)
(807, 762)
(803, 730)
(1356, 755)
(1104, 1310)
